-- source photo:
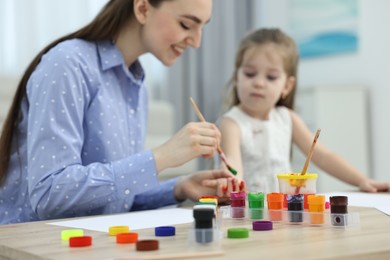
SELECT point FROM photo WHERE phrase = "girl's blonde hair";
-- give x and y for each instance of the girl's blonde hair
(288, 51)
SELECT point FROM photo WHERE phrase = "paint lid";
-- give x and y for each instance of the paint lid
(164, 231)
(114, 230)
(275, 197)
(262, 225)
(237, 195)
(203, 213)
(80, 241)
(294, 198)
(338, 200)
(68, 233)
(316, 199)
(206, 206)
(256, 200)
(255, 196)
(146, 245)
(126, 238)
(238, 233)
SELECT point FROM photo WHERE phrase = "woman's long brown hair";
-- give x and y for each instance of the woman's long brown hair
(106, 26)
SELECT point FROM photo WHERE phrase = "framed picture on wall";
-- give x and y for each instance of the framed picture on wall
(324, 27)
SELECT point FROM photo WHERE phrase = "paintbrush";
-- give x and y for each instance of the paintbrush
(299, 183)
(309, 155)
(219, 150)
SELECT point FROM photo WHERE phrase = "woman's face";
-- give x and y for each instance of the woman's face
(175, 25)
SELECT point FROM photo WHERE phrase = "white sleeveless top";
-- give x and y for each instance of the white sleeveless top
(265, 147)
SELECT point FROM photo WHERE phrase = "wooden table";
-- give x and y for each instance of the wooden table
(370, 240)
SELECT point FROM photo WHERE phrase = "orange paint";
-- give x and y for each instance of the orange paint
(275, 205)
(316, 205)
(305, 201)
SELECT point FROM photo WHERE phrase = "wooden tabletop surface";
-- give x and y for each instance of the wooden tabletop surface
(369, 240)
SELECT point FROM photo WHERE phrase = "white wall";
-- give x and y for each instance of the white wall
(369, 67)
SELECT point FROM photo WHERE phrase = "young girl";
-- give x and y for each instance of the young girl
(260, 126)
(72, 144)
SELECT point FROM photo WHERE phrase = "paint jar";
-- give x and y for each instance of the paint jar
(275, 206)
(339, 210)
(295, 207)
(204, 225)
(237, 204)
(256, 205)
(200, 205)
(295, 183)
(316, 204)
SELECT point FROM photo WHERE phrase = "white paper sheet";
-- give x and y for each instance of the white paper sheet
(135, 220)
(380, 201)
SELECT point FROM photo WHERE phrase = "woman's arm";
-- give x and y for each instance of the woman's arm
(193, 140)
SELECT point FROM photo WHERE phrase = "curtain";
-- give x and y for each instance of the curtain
(27, 26)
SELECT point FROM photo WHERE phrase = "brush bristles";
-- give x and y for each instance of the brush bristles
(233, 171)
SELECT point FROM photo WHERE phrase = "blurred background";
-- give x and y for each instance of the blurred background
(342, 84)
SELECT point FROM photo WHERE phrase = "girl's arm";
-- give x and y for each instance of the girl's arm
(230, 144)
(330, 162)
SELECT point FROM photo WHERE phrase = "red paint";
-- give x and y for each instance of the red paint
(237, 204)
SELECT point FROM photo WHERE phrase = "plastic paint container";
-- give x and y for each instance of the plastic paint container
(295, 183)
(316, 205)
(275, 206)
(295, 207)
(237, 204)
(256, 205)
(339, 210)
(204, 225)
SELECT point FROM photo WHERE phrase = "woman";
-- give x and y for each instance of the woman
(72, 144)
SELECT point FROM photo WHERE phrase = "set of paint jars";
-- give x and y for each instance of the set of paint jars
(292, 209)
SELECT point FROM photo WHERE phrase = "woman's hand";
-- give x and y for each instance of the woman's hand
(193, 140)
(208, 183)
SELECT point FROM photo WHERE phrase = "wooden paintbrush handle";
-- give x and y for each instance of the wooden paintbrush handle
(303, 172)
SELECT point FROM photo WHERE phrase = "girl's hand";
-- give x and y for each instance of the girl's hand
(193, 140)
(369, 185)
(208, 183)
(226, 185)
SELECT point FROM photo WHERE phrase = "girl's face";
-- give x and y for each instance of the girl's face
(173, 27)
(262, 80)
